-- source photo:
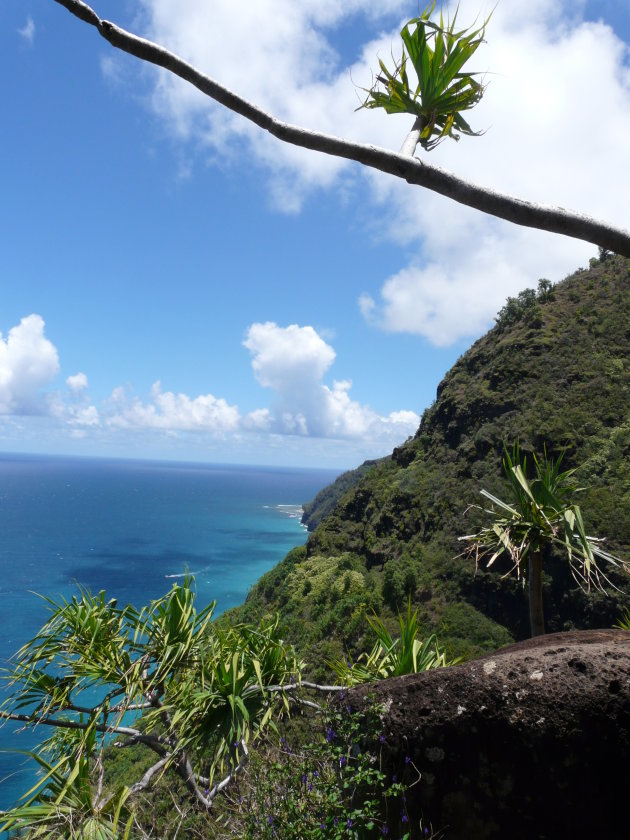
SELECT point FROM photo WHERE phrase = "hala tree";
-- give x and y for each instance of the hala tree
(204, 693)
(194, 692)
(541, 513)
(437, 53)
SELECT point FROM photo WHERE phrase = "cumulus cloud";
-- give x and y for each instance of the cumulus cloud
(28, 363)
(28, 31)
(546, 139)
(292, 361)
(78, 382)
(82, 415)
(169, 411)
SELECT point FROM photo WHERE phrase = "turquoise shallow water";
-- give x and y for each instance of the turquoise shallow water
(132, 528)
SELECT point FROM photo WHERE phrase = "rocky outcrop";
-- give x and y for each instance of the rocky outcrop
(532, 741)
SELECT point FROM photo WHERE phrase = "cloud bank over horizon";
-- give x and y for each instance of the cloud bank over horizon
(461, 265)
(290, 361)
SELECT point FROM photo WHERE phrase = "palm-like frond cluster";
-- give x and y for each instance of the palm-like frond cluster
(435, 54)
(393, 657)
(204, 693)
(540, 513)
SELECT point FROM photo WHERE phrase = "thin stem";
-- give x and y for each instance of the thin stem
(413, 138)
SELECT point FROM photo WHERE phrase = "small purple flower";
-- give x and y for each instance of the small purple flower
(404, 818)
(384, 830)
(382, 739)
(315, 774)
(343, 761)
(394, 778)
(349, 824)
(426, 832)
(310, 788)
(270, 820)
(407, 759)
(330, 735)
(303, 778)
(336, 821)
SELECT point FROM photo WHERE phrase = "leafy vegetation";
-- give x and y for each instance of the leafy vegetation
(540, 515)
(204, 691)
(202, 696)
(392, 657)
(437, 53)
(325, 501)
(525, 306)
(334, 787)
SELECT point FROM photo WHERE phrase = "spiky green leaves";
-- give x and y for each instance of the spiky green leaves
(435, 54)
(391, 657)
(541, 512)
(204, 691)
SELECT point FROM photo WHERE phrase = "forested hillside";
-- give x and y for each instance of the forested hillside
(554, 372)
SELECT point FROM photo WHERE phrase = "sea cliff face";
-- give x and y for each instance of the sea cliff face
(554, 374)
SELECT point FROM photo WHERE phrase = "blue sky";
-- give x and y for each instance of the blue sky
(174, 284)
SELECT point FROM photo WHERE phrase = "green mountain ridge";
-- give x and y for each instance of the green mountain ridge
(553, 373)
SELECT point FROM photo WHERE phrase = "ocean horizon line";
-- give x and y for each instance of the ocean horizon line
(164, 462)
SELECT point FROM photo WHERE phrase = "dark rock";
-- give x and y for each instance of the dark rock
(532, 741)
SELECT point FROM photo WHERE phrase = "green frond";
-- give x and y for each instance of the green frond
(437, 53)
(540, 512)
(391, 657)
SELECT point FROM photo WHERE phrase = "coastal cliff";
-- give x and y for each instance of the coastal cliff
(554, 374)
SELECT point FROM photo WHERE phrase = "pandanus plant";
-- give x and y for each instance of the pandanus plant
(435, 54)
(393, 657)
(541, 513)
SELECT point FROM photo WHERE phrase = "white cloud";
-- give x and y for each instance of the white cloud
(28, 363)
(258, 420)
(175, 412)
(556, 133)
(78, 382)
(533, 149)
(28, 31)
(83, 416)
(289, 358)
(292, 361)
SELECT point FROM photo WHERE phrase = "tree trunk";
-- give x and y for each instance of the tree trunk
(536, 619)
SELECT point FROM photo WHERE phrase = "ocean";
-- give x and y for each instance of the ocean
(133, 528)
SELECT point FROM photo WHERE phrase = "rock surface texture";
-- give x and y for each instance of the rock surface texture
(532, 741)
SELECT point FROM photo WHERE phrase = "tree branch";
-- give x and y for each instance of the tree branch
(146, 780)
(153, 741)
(410, 169)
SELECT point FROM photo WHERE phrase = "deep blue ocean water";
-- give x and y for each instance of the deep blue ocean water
(132, 528)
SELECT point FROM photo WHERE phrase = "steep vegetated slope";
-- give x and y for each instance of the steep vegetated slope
(554, 372)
